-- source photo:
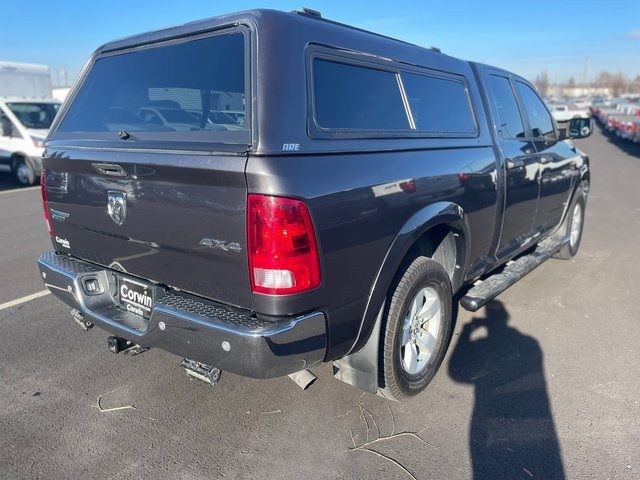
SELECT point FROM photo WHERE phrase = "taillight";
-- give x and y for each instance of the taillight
(45, 204)
(408, 186)
(283, 254)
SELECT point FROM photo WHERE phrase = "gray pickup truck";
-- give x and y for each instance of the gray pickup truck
(357, 187)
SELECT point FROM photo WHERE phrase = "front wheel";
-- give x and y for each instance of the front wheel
(416, 329)
(24, 172)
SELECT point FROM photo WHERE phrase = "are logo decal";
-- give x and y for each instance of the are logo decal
(290, 147)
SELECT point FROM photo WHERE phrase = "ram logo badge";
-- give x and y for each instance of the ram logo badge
(117, 206)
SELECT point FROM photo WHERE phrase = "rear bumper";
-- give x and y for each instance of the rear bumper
(193, 327)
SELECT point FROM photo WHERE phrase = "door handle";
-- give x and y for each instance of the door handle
(544, 159)
(110, 169)
(513, 164)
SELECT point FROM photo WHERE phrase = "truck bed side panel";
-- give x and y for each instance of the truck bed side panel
(358, 213)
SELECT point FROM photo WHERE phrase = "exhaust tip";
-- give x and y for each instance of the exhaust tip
(304, 378)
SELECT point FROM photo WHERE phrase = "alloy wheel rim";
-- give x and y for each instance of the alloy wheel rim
(420, 329)
(576, 225)
(23, 173)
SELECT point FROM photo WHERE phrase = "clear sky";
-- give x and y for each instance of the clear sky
(525, 37)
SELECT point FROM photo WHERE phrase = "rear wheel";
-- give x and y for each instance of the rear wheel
(416, 329)
(24, 172)
(574, 225)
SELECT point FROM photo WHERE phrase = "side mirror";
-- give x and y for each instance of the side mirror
(579, 128)
(7, 127)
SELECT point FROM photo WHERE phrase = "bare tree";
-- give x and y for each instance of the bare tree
(618, 84)
(543, 83)
(603, 79)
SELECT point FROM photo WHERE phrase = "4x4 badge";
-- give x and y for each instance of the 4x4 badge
(117, 206)
(221, 244)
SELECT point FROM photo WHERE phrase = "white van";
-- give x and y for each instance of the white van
(24, 125)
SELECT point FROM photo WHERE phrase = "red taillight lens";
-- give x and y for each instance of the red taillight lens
(408, 186)
(45, 204)
(283, 254)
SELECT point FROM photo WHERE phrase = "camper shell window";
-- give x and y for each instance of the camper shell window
(170, 91)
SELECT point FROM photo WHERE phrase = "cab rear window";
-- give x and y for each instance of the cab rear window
(351, 97)
(438, 105)
(196, 88)
(377, 100)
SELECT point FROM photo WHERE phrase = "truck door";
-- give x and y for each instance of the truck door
(557, 160)
(519, 162)
(10, 139)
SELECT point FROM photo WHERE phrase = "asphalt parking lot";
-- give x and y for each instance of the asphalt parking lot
(543, 384)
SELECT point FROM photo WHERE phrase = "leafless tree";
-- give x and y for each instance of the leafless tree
(543, 83)
(617, 83)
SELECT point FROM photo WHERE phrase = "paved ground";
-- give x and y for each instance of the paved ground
(542, 385)
(7, 180)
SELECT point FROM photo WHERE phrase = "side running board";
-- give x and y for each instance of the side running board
(497, 283)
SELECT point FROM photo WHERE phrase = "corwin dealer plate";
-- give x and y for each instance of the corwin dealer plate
(135, 297)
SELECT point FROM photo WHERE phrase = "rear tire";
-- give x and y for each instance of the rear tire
(573, 225)
(24, 172)
(416, 329)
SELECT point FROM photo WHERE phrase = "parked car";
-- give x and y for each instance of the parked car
(581, 103)
(174, 118)
(231, 120)
(372, 181)
(24, 123)
(620, 119)
(563, 112)
(238, 117)
(170, 114)
(635, 130)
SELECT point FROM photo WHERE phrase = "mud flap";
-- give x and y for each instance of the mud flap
(360, 369)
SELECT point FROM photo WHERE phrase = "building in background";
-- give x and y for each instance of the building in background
(562, 90)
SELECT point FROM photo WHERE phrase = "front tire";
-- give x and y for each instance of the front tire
(24, 172)
(416, 329)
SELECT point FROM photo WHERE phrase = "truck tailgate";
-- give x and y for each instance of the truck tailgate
(175, 219)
